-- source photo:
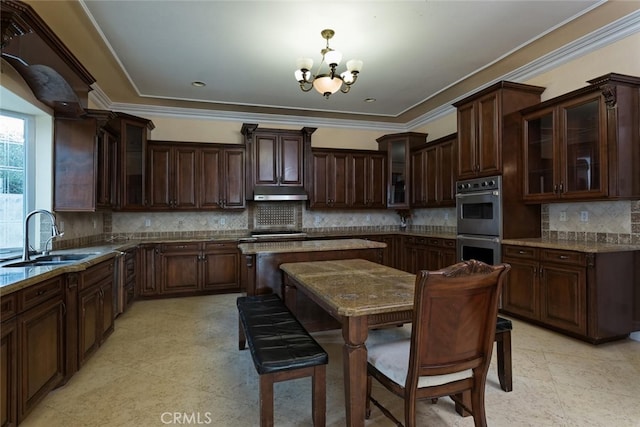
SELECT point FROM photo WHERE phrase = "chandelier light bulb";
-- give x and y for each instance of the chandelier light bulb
(354, 65)
(333, 57)
(304, 63)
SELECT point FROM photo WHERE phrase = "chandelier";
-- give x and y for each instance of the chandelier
(327, 82)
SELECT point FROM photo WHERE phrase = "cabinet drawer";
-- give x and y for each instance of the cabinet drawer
(449, 243)
(34, 295)
(96, 274)
(519, 252)
(435, 242)
(563, 257)
(181, 247)
(8, 306)
(221, 246)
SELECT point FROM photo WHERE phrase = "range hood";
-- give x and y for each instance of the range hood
(278, 193)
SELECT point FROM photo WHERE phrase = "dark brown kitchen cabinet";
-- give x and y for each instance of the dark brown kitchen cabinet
(85, 163)
(192, 268)
(330, 185)
(133, 133)
(398, 148)
(96, 310)
(433, 173)
(192, 176)
(347, 179)
(172, 172)
(41, 343)
(442, 253)
(8, 362)
(221, 177)
(586, 295)
(391, 256)
(578, 146)
(220, 266)
(130, 277)
(428, 253)
(146, 259)
(481, 124)
(368, 180)
(275, 157)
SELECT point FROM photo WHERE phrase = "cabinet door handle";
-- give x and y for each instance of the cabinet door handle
(555, 188)
(521, 252)
(541, 271)
(563, 257)
(64, 309)
(535, 271)
(561, 187)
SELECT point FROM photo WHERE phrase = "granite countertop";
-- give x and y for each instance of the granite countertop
(570, 245)
(16, 278)
(355, 287)
(308, 246)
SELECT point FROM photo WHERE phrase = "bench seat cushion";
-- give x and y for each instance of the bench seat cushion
(277, 340)
(503, 324)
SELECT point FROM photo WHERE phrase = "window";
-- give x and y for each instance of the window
(16, 138)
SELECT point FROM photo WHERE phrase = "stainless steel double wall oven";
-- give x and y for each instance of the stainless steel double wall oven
(479, 219)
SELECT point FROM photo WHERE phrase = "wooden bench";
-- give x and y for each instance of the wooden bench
(281, 350)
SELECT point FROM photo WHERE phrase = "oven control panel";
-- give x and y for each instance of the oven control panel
(479, 184)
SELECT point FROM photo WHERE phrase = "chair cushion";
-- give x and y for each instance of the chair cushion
(392, 359)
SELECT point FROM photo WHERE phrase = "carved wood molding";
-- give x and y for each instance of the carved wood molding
(52, 72)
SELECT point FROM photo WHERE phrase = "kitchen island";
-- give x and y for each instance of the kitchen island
(260, 269)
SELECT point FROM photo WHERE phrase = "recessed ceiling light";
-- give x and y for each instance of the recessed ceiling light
(198, 84)
(370, 100)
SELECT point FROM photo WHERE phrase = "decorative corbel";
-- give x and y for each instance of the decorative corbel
(609, 93)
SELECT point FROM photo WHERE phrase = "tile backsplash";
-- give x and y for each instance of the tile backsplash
(606, 222)
(612, 222)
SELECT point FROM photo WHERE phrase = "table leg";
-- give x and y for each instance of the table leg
(354, 332)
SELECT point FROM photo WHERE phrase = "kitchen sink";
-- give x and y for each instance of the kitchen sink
(50, 260)
(62, 257)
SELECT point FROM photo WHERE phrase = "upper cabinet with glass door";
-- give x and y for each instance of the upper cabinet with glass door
(398, 147)
(584, 145)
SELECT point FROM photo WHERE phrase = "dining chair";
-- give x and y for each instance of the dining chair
(449, 352)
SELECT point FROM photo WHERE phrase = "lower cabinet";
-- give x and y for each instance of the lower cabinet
(8, 373)
(428, 253)
(586, 295)
(96, 310)
(390, 255)
(32, 358)
(130, 277)
(191, 268)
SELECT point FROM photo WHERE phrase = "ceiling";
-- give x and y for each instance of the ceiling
(246, 51)
(418, 55)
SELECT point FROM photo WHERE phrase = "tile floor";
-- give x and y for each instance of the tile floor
(181, 356)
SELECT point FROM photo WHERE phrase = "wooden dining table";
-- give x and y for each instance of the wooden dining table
(361, 295)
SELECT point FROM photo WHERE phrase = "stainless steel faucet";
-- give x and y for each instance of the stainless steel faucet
(54, 230)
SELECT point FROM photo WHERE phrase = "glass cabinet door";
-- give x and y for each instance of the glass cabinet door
(583, 125)
(539, 153)
(398, 173)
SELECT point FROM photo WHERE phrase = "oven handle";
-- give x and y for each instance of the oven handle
(479, 193)
(486, 239)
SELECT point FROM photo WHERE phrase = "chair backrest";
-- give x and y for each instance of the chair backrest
(454, 318)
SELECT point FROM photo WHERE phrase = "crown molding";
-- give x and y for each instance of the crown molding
(589, 43)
